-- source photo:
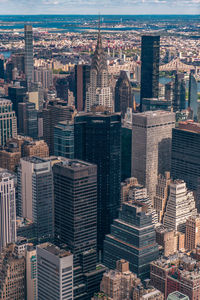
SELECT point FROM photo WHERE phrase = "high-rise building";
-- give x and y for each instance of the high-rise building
(118, 284)
(31, 273)
(7, 209)
(35, 195)
(150, 57)
(180, 206)
(18, 60)
(27, 119)
(43, 76)
(75, 198)
(2, 73)
(12, 275)
(17, 95)
(185, 153)
(169, 91)
(179, 89)
(123, 94)
(82, 80)
(52, 115)
(162, 193)
(126, 150)
(99, 91)
(28, 34)
(54, 273)
(193, 96)
(151, 147)
(132, 238)
(64, 139)
(8, 121)
(98, 141)
(192, 232)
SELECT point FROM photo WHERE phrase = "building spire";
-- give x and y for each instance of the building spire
(99, 32)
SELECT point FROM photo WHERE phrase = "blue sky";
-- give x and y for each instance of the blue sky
(101, 6)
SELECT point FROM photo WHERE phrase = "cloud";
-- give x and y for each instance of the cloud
(104, 6)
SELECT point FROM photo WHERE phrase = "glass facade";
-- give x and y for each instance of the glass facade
(64, 139)
(132, 238)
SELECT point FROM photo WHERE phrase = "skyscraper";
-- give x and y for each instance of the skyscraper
(7, 209)
(179, 89)
(193, 96)
(150, 57)
(31, 273)
(17, 95)
(27, 120)
(192, 232)
(35, 195)
(180, 206)
(75, 198)
(132, 238)
(64, 139)
(98, 141)
(123, 94)
(2, 73)
(28, 32)
(82, 80)
(185, 162)
(54, 273)
(99, 91)
(151, 147)
(8, 121)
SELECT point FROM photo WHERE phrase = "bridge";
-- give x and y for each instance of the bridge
(177, 65)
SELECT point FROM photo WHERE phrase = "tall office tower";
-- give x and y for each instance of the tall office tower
(64, 139)
(126, 150)
(99, 92)
(8, 121)
(18, 60)
(7, 209)
(82, 80)
(137, 246)
(162, 193)
(180, 206)
(192, 232)
(169, 91)
(27, 119)
(31, 275)
(193, 96)
(118, 284)
(54, 273)
(179, 89)
(123, 94)
(17, 95)
(2, 73)
(75, 198)
(35, 195)
(185, 153)
(52, 115)
(150, 58)
(98, 140)
(12, 275)
(28, 34)
(43, 76)
(151, 147)
(62, 88)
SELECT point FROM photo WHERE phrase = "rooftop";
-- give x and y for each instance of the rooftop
(190, 125)
(74, 164)
(55, 250)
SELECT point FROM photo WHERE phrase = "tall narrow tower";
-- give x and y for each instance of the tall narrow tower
(28, 32)
(150, 57)
(99, 91)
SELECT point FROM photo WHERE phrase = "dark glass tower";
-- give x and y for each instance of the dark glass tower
(2, 73)
(28, 32)
(98, 140)
(178, 102)
(28, 122)
(193, 96)
(150, 57)
(17, 95)
(132, 238)
(75, 197)
(123, 95)
(82, 80)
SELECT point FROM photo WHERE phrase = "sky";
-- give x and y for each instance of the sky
(131, 7)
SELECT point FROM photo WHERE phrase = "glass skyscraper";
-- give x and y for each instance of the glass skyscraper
(64, 139)
(28, 32)
(193, 96)
(150, 57)
(98, 141)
